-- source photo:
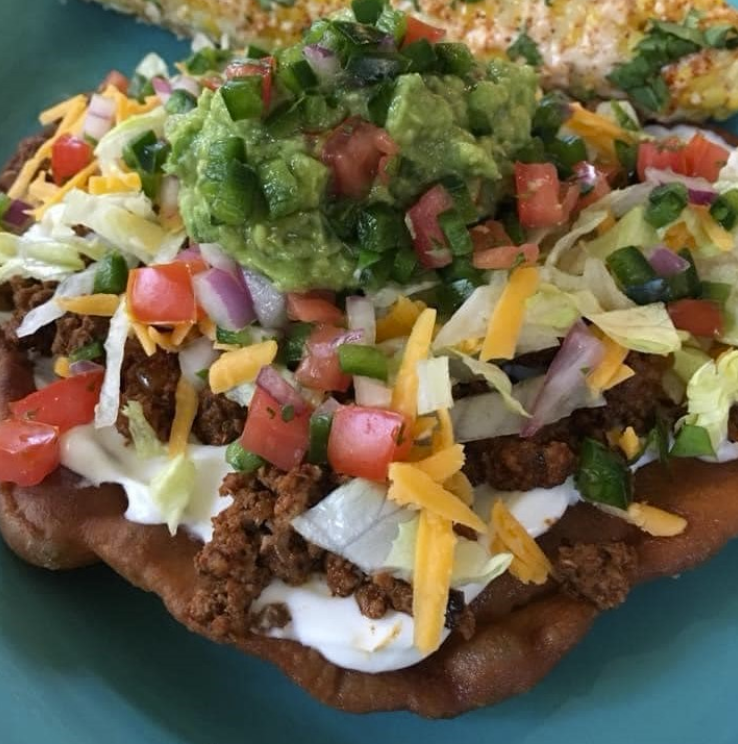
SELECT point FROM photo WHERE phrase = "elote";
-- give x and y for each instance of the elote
(675, 59)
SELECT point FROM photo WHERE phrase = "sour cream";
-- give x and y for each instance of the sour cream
(101, 456)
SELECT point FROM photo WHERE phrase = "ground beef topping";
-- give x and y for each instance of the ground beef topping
(254, 543)
(24, 295)
(74, 332)
(599, 573)
(219, 420)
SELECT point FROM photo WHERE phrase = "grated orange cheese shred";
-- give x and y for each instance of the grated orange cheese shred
(443, 464)
(186, 401)
(405, 393)
(76, 182)
(530, 564)
(461, 486)
(655, 521)
(629, 443)
(61, 367)
(142, 334)
(599, 378)
(119, 183)
(400, 320)
(717, 234)
(434, 562)
(506, 320)
(236, 367)
(101, 305)
(410, 485)
(443, 436)
(598, 130)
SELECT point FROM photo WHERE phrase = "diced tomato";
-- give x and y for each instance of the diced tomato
(428, 239)
(262, 68)
(311, 309)
(663, 155)
(356, 152)
(276, 433)
(320, 368)
(364, 441)
(69, 155)
(705, 158)
(117, 80)
(506, 256)
(63, 404)
(699, 317)
(594, 179)
(29, 451)
(537, 187)
(162, 294)
(489, 234)
(417, 30)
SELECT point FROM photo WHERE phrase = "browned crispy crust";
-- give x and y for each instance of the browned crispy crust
(522, 632)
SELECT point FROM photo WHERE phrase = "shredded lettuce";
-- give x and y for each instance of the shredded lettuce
(109, 149)
(631, 229)
(711, 392)
(434, 385)
(125, 221)
(38, 256)
(496, 379)
(588, 221)
(647, 328)
(472, 318)
(145, 440)
(171, 489)
(106, 411)
(687, 361)
(355, 521)
(473, 563)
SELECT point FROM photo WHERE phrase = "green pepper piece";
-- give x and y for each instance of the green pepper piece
(665, 204)
(319, 432)
(111, 274)
(602, 477)
(237, 338)
(367, 361)
(243, 97)
(88, 353)
(241, 459)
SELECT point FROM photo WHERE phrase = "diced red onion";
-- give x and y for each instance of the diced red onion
(324, 62)
(586, 174)
(361, 317)
(99, 118)
(169, 196)
(273, 383)
(667, 263)
(224, 298)
(214, 254)
(371, 393)
(189, 254)
(701, 191)
(580, 351)
(83, 366)
(349, 337)
(270, 305)
(101, 106)
(162, 88)
(16, 214)
(184, 82)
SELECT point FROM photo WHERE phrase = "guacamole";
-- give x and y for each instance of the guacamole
(303, 165)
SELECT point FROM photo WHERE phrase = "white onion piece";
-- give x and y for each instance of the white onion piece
(194, 358)
(214, 254)
(361, 317)
(225, 299)
(565, 378)
(169, 196)
(270, 305)
(371, 393)
(185, 82)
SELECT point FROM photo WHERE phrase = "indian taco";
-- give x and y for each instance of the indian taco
(603, 49)
(369, 358)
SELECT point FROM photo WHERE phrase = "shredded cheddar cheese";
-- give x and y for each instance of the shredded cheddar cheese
(405, 393)
(236, 367)
(142, 334)
(410, 485)
(506, 320)
(443, 436)
(75, 182)
(400, 319)
(629, 443)
(120, 183)
(185, 410)
(443, 464)
(461, 486)
(61, 367)
(597, 130)
(102, 305)
(434, 562)
(599, 378)
(656, 522)
(717, 234)
(530, 564)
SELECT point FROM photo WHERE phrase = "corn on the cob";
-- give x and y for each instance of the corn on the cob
(580, 42)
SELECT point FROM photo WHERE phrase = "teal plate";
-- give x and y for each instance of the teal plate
(85, 658)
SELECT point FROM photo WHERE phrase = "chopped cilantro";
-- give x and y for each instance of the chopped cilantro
(524, 47)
